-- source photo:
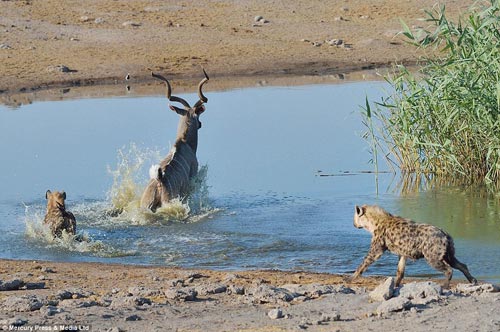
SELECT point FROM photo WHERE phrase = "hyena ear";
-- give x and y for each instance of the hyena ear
(47, 193)
(360, 211)
(64, 194)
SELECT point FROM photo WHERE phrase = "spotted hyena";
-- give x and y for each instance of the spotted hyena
(408, 240)
(57, 217)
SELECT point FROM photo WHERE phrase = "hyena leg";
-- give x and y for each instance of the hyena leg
(372, 256)
(401, 270)
(456, 264)
(444, 267)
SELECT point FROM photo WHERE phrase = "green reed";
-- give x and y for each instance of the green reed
(444, 119)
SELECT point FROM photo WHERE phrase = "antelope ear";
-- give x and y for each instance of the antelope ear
(178, 110)
(200, 109)
(64, 194)
(360, 211)
(47, 193)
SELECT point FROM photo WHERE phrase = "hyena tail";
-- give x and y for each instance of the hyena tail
(450, 258)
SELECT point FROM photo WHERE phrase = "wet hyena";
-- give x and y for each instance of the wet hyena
(57, 217)
(408, 240)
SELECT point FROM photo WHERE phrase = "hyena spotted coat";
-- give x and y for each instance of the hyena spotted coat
(57, 218)
(408, 240)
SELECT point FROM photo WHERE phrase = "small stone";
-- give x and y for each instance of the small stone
(188, 294)
(74, 39)
(345, 9)
(383, 291)
(47, 270)
(469, 289)
(15, 321)
(99, 20)
(275, 313)
(84, 19)
(60, 68)
(258, 18)
(50, 310)
(316, 44)
(233, 289)
(5, 47)
(132, 318)
(334, 42)
(305, 40)
(131, 24)
(392, 305)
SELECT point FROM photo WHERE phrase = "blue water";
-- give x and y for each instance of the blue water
(269, 208)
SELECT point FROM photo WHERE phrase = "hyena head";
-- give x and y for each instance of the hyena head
(155, 192)
(55, 199)
(366, 216)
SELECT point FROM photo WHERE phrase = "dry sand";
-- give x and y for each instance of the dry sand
(99, 42)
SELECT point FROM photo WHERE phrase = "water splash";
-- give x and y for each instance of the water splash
(81, 242)
(129, 181)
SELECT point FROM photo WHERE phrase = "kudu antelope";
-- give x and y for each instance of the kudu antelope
(171, 179)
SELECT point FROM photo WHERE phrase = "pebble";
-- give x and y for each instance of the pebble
(275, 313)
(59, 68)
(50, 310)
(334, 42)
(189, 294)
(258, 18)
(15, 321)
(99, 20)
(132, 318)
(131, 24)
(393, 305)
(383, 291)
(5, 47)
(84, 19)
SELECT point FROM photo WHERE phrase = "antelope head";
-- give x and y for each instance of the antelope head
(189, 122)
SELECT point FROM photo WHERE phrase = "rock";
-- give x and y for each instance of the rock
(5, 47)
(175, 282)
(383, 291)
(421, 292)
(268, 294)
(469, 289)
(50, 310)
(233, 289)
(72, 293)
(47, 270)
(15, 321)
(333, 317)
(275, 313)
(316, 290)
(60, 68)
(132, 318)
(334, 42)
(211, 289)
(143, 291)
(75, 303)
(129, 301)
(258, 18)
(131, 24)
(392, 305)
(185, 294)
(99, 20)
(34, 285)
(11, 285)
(22, 303)
(84, 19)
(316, 44)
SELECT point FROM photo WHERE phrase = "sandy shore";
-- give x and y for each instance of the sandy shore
(131, 298)
(54, 44)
